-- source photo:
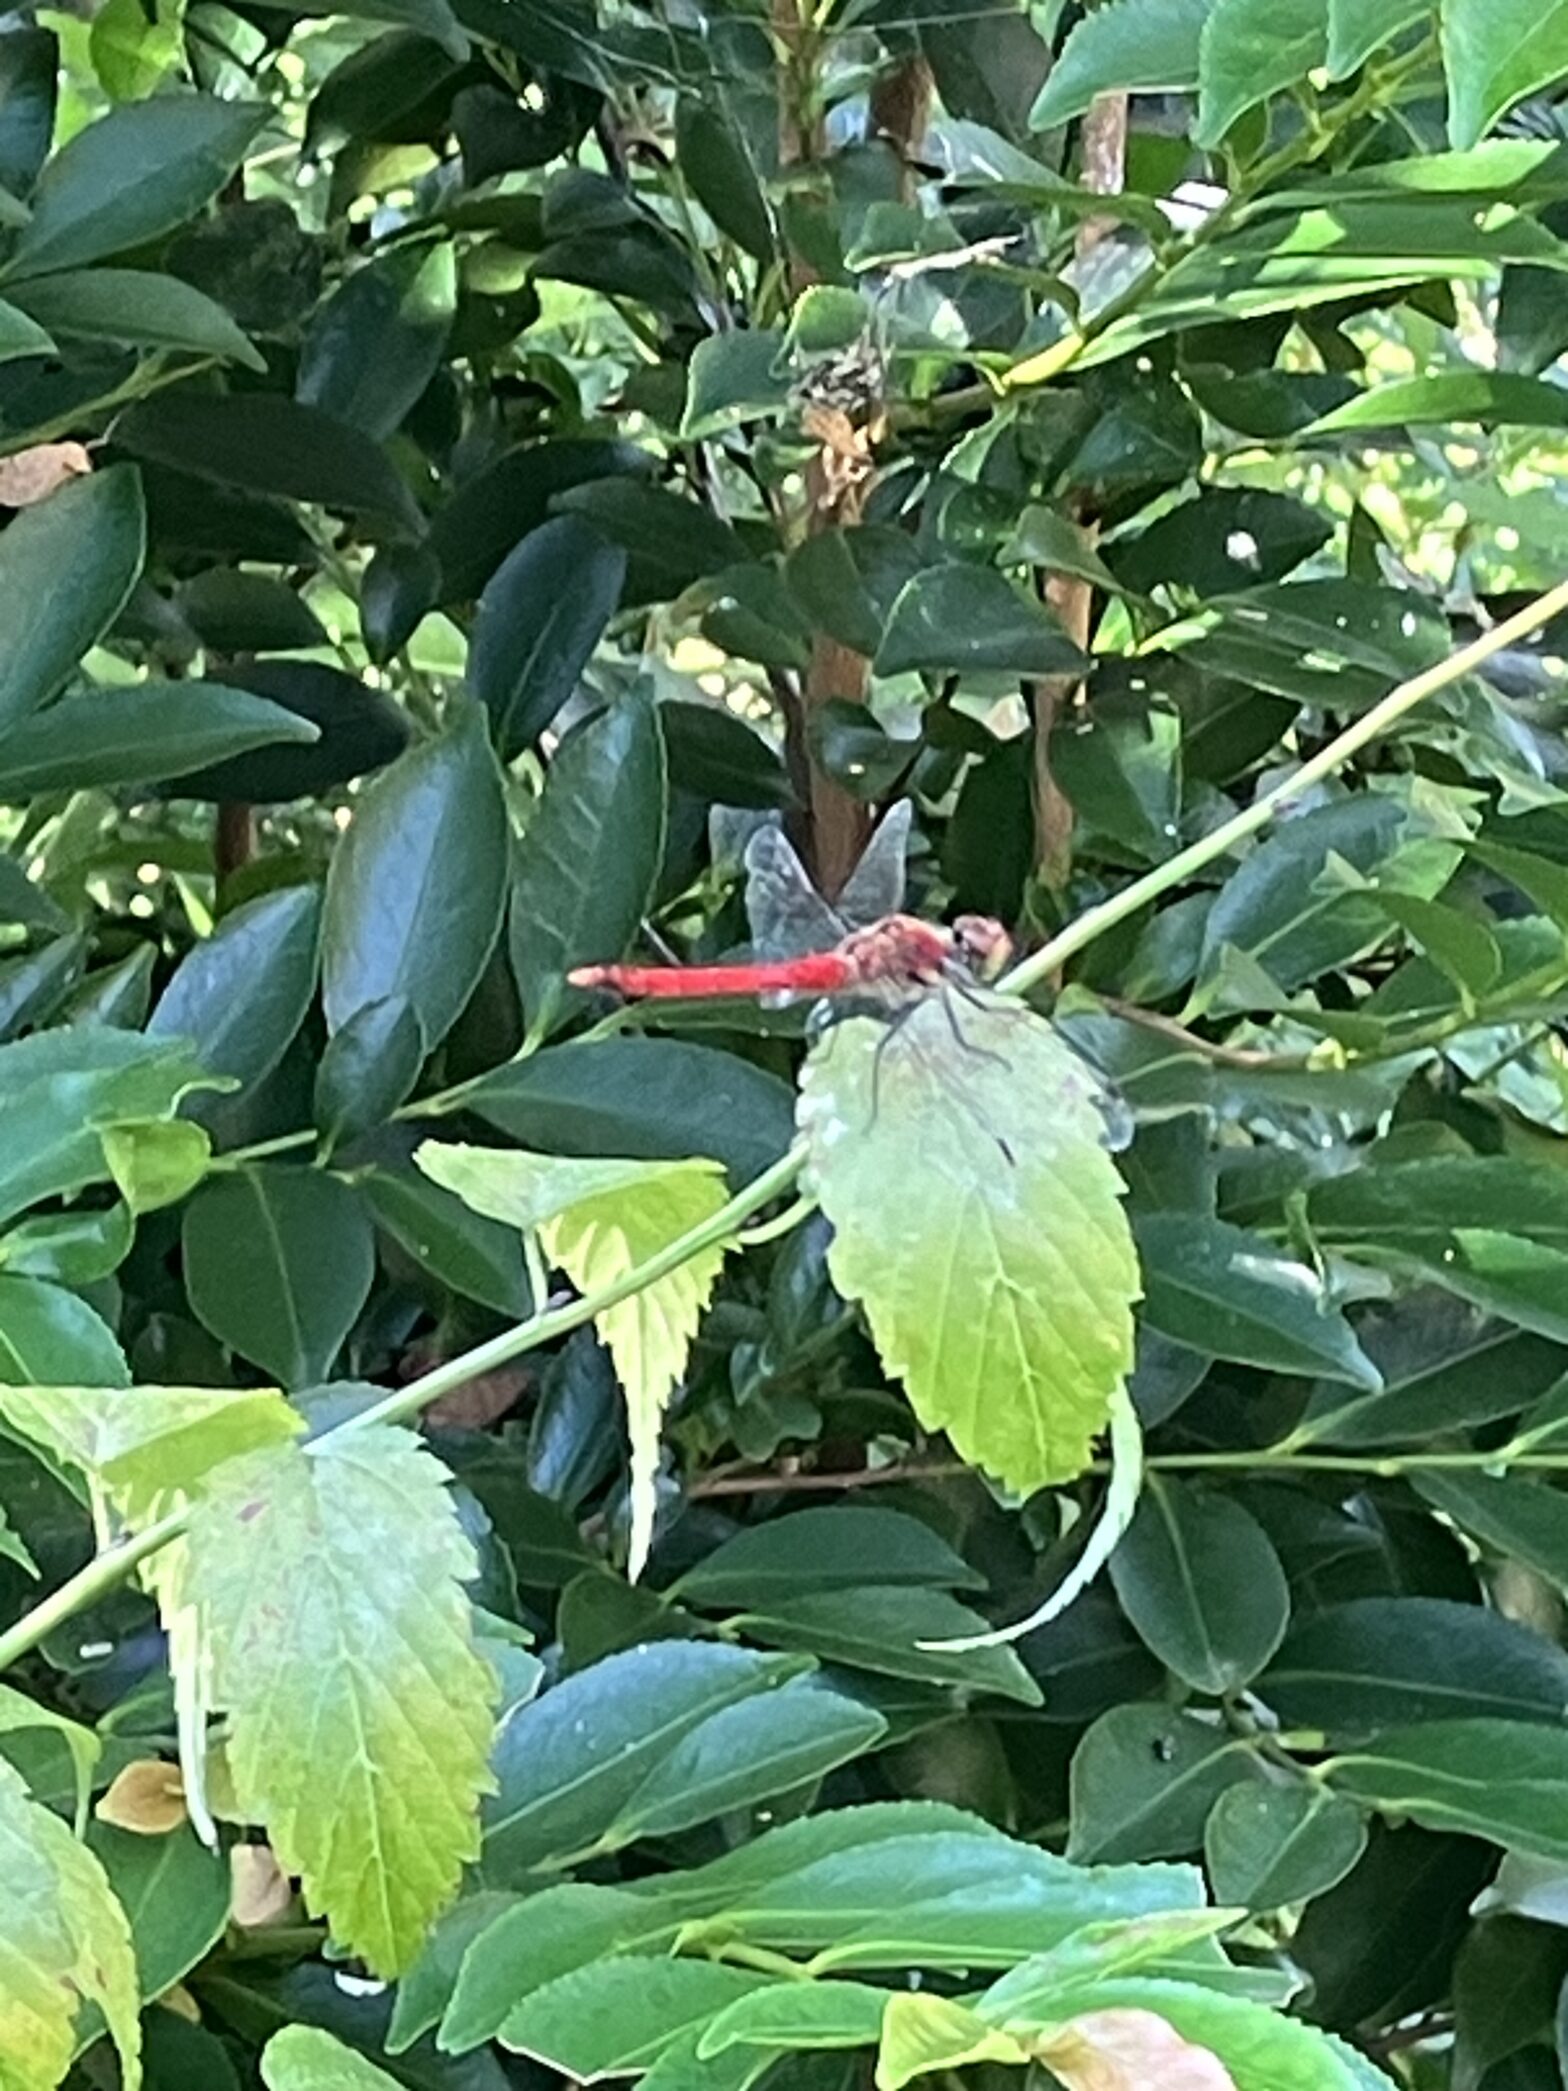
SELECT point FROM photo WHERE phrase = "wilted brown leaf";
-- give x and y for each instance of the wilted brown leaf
(33, 475)
(147, 1797)
(260, 1892)
(1130, 2051)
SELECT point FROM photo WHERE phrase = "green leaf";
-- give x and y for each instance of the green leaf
(1144, 45)
(93, 529)
(587, 865)
(1461, 947)
(241, 994)
(1250, 49)
(746, 1753)
(476, 1257)
(672, 542)
(716, 161)
(278, 1263)
(175, 1893)
(326, 1584)
(1043, 537)
(29, 83)
(848, 581)
(64, 1942)
(815, 2014)
(599, 1220)
(1447, 1775)
(1143, 1782)
(156, 1163)
(396, 590)
(427, 1989)
(1521, 1518)
(50, 1338)
(473, 532)
(893, 1632)
(1495, 52)
(652, 1098)
(132, 176)
(143, 1443)
(271, 445)
(1228, 1293)
(962, 1184)
(1357, 28)
(19, 1714)
(368, 1069)
(734, 377)
(133, 52)
(1199, 1579)
(971, 619)
(932, 2036)
(138, 307)
(1488, 398)
(374, 345)
(825, 1549)
(1384, 1662)
(141, 733)
(13, 1548)
(617, 2017)
(307, 2058)
(1269, 1846)
(415, 888)
(1455, 1378)
(235, 612)
(542, 613)
(718, 757)
(356, 729)
(569, 1764)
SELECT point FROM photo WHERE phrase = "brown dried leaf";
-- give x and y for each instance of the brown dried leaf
(1130, 2051)
(33, 475)
(260, 1892)
(147, 1797)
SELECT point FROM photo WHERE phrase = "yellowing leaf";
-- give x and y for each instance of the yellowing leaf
(156, 1162)
(147, 1797)
(1127, 2051)
(145, 1444)
(977, 1217)
(598, 1220)
(928, 2036)
(64, 1941)
(317, 1600)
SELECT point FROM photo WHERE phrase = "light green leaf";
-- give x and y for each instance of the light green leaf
(977, 1217)
(1450, 1775)
(64, 1941)
(14, 1548)
(93, 528)
(1198, 1577)
(617, 2017)
(1357, 28)
(136, 306)
(818, 2014)
(925, 2036)
(131, 176)
(1141, 45)
(1495, 52)
(325, 1586)
(144, 1444)
(156, 1162)
(1250, 49)
(1490, 398)
(305, 2058)
(598, 1220)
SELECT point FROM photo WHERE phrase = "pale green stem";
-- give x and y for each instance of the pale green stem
(1095, 921)
(106, 1571)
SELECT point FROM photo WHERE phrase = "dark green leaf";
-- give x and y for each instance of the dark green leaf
(368, 1068)
(1269, 1846)
(823, 1549)
(671, 541)
(652, 1099)
(970, 619)
(270, 445)
(278, 1262)
(847, 581)
(1381, 1662)
(399, 586)
(357, 729)
(542, 613)
(717, 757)
(716, 161)
(1144, 1780)
(587, 865)
(1222, 1291)
(373, 347)
(141, 733)
(474, 531)
(1522, 1518)
(241, 995)
(234, 612)
(619, 2016)
(476, 1257)
(1445, 1776)
(137, 307)
(29, 76)
(134, 174)
(881, 1629)
(176, 1894)
(1198, 1578)
(415, 888)
(91, 529)
(734, 377)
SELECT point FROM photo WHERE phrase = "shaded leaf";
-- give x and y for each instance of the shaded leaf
(94, 529)
(1199, 1579)
(143, 733)
(542, 613)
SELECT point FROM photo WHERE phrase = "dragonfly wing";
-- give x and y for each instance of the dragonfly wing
(788, 916)
(875, 888)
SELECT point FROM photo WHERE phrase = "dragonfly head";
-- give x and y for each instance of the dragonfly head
(982, 945)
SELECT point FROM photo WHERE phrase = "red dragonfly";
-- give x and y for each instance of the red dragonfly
(871, 948)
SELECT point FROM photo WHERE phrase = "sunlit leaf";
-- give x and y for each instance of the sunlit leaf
(977, 1218)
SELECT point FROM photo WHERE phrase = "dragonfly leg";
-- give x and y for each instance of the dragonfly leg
(967, 1045)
